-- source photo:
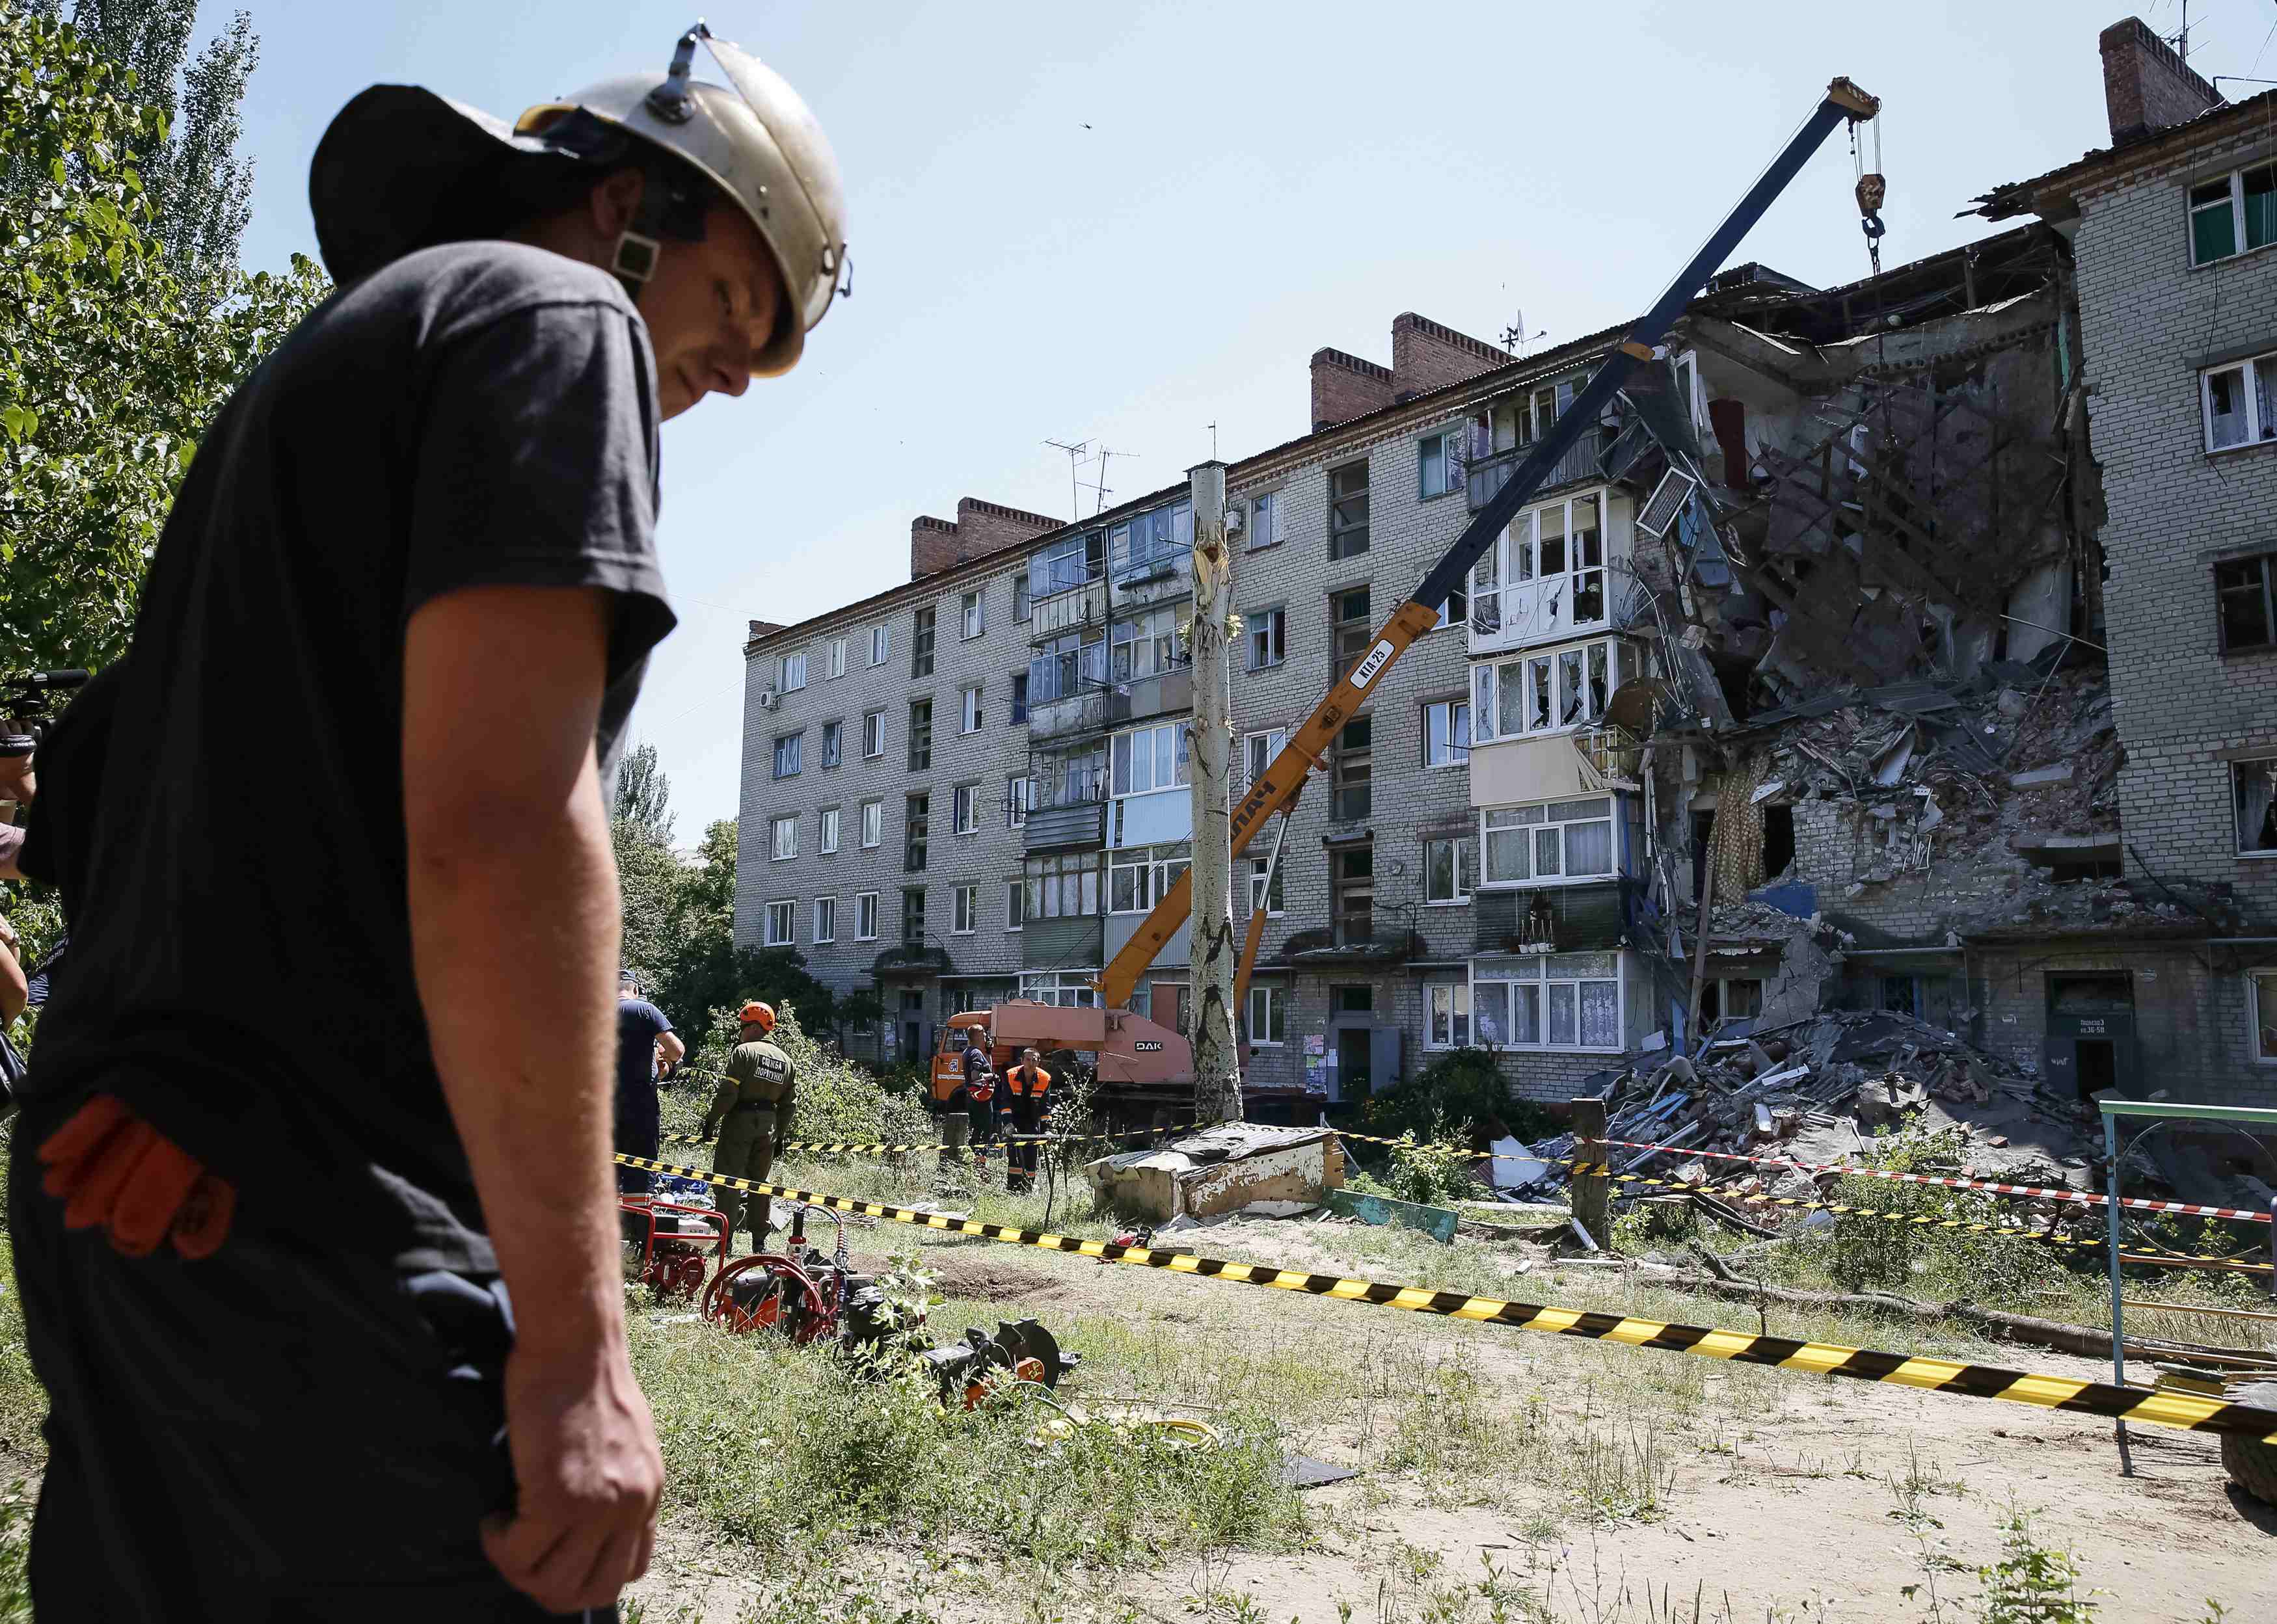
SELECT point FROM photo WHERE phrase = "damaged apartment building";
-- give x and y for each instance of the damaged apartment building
(1909, 646)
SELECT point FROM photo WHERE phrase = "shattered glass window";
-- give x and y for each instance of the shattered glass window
(1598, 681)
(1588, 547)
(2254, 789)
(1482, 701)
(2225, 409)
(2214, 228)
(1551, 525)
(1486, 591)
(1571, 693)
(2258, 188)
(1537, 687)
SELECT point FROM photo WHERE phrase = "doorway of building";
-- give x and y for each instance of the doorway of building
(913, 1033)
(1353, 1071)
(2099, 1064)
(2090, 1033)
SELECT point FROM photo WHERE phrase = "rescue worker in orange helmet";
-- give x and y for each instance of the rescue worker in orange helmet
(751, 1113)
(1027, 1086)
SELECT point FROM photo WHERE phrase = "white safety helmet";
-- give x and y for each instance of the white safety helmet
(401, 168)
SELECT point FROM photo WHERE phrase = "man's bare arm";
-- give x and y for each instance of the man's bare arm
(671, 1048)
(514, 935)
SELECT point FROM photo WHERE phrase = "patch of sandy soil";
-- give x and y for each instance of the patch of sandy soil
(1790, 1509)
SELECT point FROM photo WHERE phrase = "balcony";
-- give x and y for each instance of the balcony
(1487, 476)
(1160, 577)
(1078, 823)
(1360, 936)
(913, 958)
(1082, 605)
(1561, 918)
(1054, 944)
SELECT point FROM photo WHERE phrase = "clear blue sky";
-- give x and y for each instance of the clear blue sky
(1254, 181)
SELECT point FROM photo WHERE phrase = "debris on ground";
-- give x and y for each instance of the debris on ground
(1221, 1169)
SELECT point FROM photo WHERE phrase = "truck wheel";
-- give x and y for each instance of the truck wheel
(2250, 1461)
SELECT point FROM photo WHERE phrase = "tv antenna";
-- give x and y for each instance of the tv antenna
(1213, 429)
(1103, 487)
(1515, 337)
(1079, 452)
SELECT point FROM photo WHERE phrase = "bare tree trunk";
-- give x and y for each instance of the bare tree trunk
(1211, 951)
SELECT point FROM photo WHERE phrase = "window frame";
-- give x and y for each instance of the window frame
(1343, 527)
(1065, 989)
(969, 716)
(1351, 772)
(1276, 1016)
(1274, 884)
(2261, 1009)
(1264, 521)
(1158, 867)
(833, 744)
(1458, 1029)
(2232, 202)
(916, 832)
(1016, 905)
(881, 644)
(2238, 769)
(920, 755)
(1511, 551)
(924, 629)
(971, 614)
(776, 829)
(791, 747)
(1271, 624)
(1623, 662)
(1146, 630)
(965, 808)
(788, 907)
(1466, 875)
(865, 901)
(837, 658)
(2266, 562)
(1019, 799)
(1457, 754)
(1049, 875)
(2248, 370)
(873, 740)
(1448, 459)
(1349, 636)
(1019, 697)
(872, 823)
(1533, 828)
(923, 905)
(1535, 972)
(1276, 740)
(825, 922)
(787, 666)
(825, 832)
(963, 902)
(1181, 765)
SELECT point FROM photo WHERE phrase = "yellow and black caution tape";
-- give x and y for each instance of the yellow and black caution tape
(2190, 1412)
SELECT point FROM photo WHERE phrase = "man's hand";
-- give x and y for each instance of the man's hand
(709, 1132)
(587, 1476)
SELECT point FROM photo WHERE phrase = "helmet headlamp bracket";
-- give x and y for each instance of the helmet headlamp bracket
(671, 100)
(636, 255)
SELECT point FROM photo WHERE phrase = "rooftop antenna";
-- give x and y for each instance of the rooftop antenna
(1077, 452)
(2181, 40)
(1515, 337)
(1103, 487)
(1213, 429)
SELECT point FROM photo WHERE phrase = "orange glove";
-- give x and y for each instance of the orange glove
(109, 1167)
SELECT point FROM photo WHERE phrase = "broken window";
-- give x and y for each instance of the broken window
(1348, 511)
(1355, 1001)
(2246, 602)
(1355, 768)
(1147, 645)
(2264, 986)
(1543, 693)
(1731, 998)
(2253, 786)
(2239, 403)
(1446, 733)
(920, 735)
(1899, 995)
(1560, 546)
(1268, 637)
(915, 815)
(913, 912)
(1355, 898)
(921, 645)
(1779, 839)
(1449, 1016)
(1350, 610)
(2234, 214)
(1450, 869)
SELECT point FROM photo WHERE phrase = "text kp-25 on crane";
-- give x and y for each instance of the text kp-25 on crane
(1134, 1050)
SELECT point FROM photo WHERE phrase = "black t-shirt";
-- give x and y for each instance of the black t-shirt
(478, 414)
(639, 1024)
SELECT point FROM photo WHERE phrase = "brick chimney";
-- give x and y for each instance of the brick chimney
(1345, 387)
(1426, 355)
(2146, 86)
(980, 529)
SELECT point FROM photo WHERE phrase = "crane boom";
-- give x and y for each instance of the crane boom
(1308, 746)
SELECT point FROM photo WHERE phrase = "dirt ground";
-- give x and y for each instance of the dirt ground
(1774, 1496)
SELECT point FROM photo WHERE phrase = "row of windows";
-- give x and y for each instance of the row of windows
(782, 917)
(971, 717)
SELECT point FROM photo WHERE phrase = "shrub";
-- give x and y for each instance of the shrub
(1457, 1094)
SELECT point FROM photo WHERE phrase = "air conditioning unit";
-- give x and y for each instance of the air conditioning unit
(769, 699)
(1666, 502)
(1236, 521)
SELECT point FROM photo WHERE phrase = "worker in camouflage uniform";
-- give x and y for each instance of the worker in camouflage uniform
(751, 1114)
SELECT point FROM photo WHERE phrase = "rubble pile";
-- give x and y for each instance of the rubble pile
(1816, 1090)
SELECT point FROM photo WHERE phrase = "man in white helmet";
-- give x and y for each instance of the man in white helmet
(322, 1278)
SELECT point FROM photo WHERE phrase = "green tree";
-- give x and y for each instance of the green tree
(113, 362)
(200, 190)
(644, 795)
(707, 969)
